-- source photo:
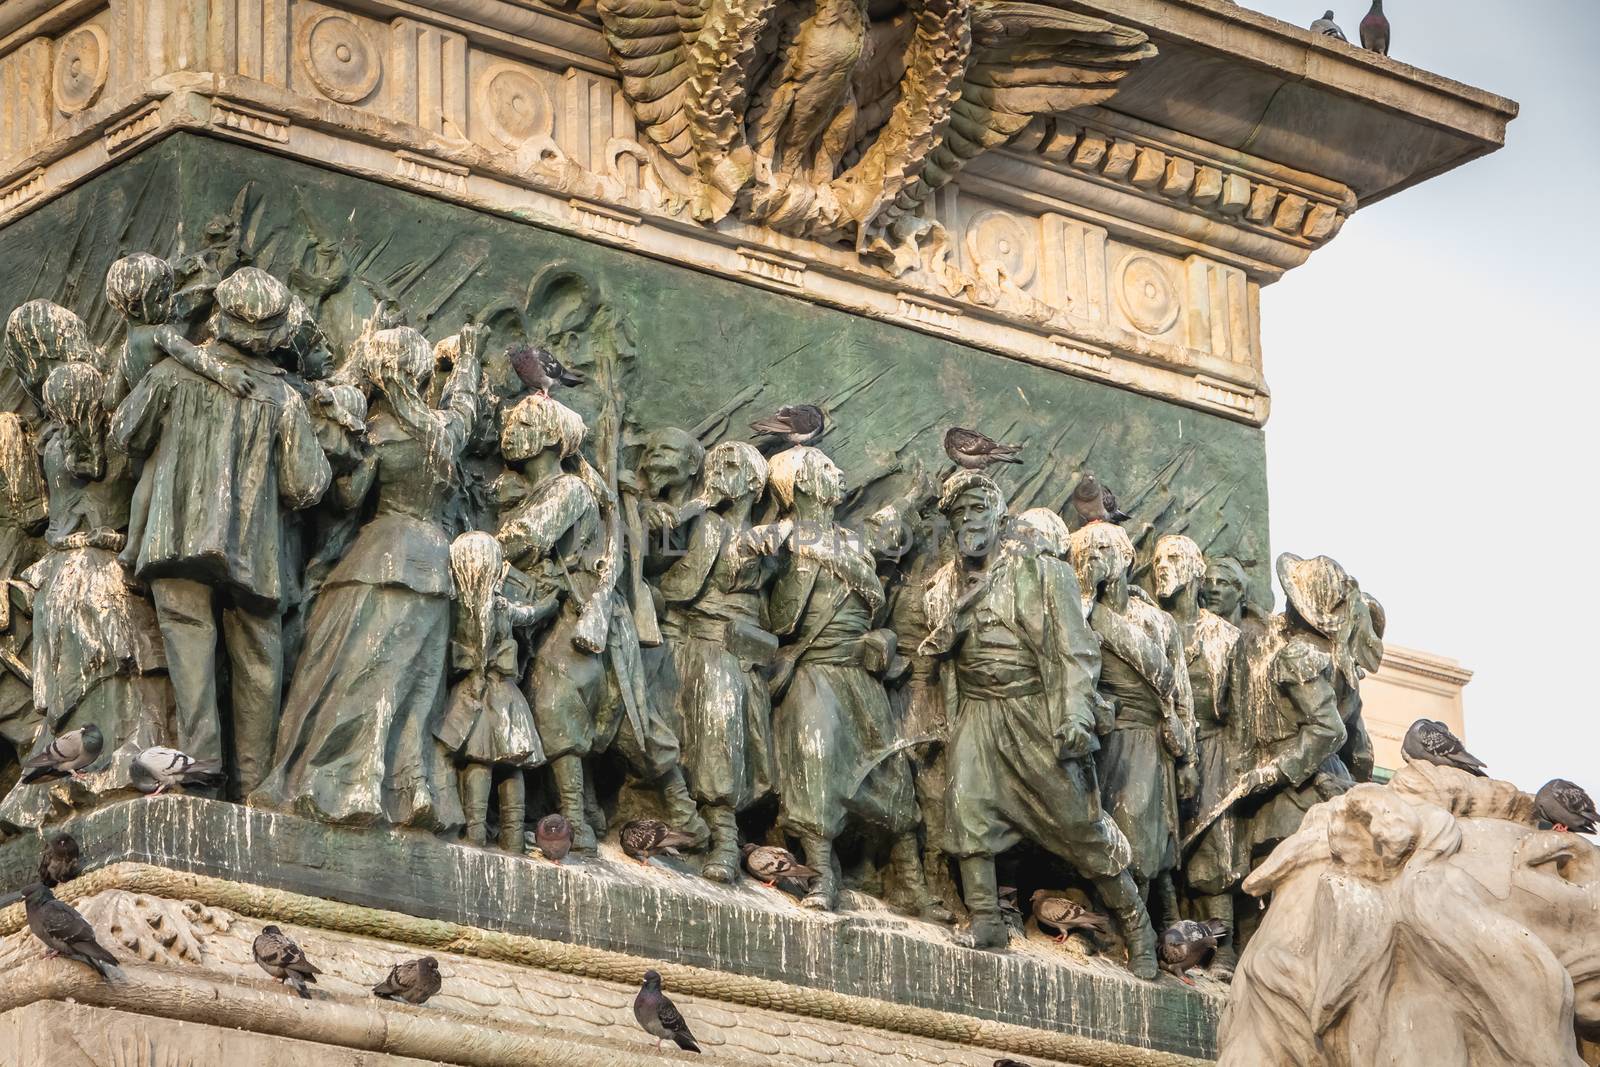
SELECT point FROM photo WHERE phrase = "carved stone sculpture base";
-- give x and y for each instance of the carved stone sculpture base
(604, 918)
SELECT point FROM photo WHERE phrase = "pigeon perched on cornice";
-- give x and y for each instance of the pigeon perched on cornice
(1566, 807)
(540, 370)
(659, 1016)
(770, 865)
(68, 754)
(1189, 943)
(63, 930)
(975, 451)
(413, 981)
(1375, 30)
(644, 838)
(59, 861)
(157, 769)
(1093, 501)
(553, 835)
(798, 424)
(1431, 741)
(282, 959)
(1327, 27)
(1064, 915)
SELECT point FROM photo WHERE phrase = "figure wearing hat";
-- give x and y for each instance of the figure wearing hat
(1290, 698)
(1009, 614)
(220, 472)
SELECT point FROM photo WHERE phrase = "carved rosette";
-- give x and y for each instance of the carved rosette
(83, 58)
(339, 57)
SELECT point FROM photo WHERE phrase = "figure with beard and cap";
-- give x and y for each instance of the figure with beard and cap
(658, 503)
(841, 758)
(222, 472)
(1146, 759)
(587, 681)
(1008, 615)
(718, 646)
(1213, 866)
(1290, 698)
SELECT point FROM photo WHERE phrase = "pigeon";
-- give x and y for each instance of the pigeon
(659, 1016)
(282, 959)
(540, 370)
(1375, 30)
(63, 930)
(1188, 943)
(645, 838)
(1010, 1063)
(799, 424)
(974, 451)
(59, 861)
(66, 755)
(769, 865)
(1328, 28)
(1566, 807)
(553, 835)
(1064, 915)
(413, 981)
(1431, 741)
(1095, 502)
(157, 769)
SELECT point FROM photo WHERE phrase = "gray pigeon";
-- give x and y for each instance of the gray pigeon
(282, 959)
(798, 424)
(66, 755)
(413, 981)
(157, 769)
(645, 838)
(59, 861)
(1566, 807)
(540, 370)
(1093, 501)
(1375, 30)
(1430, 741)
(1010, 1063)
(1328, 28)
(659, 1016)
(63, 930)
(974, 451)
(1189, 943)
(553, 835)
(770, 865)
(1064, 915)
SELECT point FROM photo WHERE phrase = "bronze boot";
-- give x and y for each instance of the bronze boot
(824, 894)
(722, 862)
(513, 814)
(1122, 897)
(982, 894)
(682, 813)
(1227, 957)
(475, 781)
(570, 788)
(910, 889)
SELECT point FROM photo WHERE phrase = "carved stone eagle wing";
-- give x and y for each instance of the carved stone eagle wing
(685, 67)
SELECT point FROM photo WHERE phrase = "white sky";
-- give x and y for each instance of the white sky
(1436, 385)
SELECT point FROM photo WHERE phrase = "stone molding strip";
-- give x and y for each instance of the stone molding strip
(29, 984)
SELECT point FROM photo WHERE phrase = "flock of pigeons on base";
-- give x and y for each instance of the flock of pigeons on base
(1374, 29)
(1184, 945)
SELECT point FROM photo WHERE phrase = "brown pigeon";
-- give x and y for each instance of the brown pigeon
(59, 861)
(1064, 915)
(770, 865)
(643, 839)
(413, 981)
(553, 835)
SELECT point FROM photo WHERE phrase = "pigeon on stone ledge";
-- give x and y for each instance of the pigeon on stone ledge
(1431, 741)
(59, 861)
(413, 981)
(63, 930)
(157, 769)
(1011, 1063)
(770, 865)
(553, 835)
(1328, 28)
(282, 959)
(798, 424)
(645, 838)
(1093, 501)
(1375, 30)
(974, 451)
(659, 1016)
(1566, 807)
(1189, 943)
(1064, 915)
(68, 754)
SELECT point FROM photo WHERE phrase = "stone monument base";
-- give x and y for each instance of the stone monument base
(540, 961)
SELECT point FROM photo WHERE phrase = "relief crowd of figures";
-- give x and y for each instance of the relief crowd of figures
(364, 587)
